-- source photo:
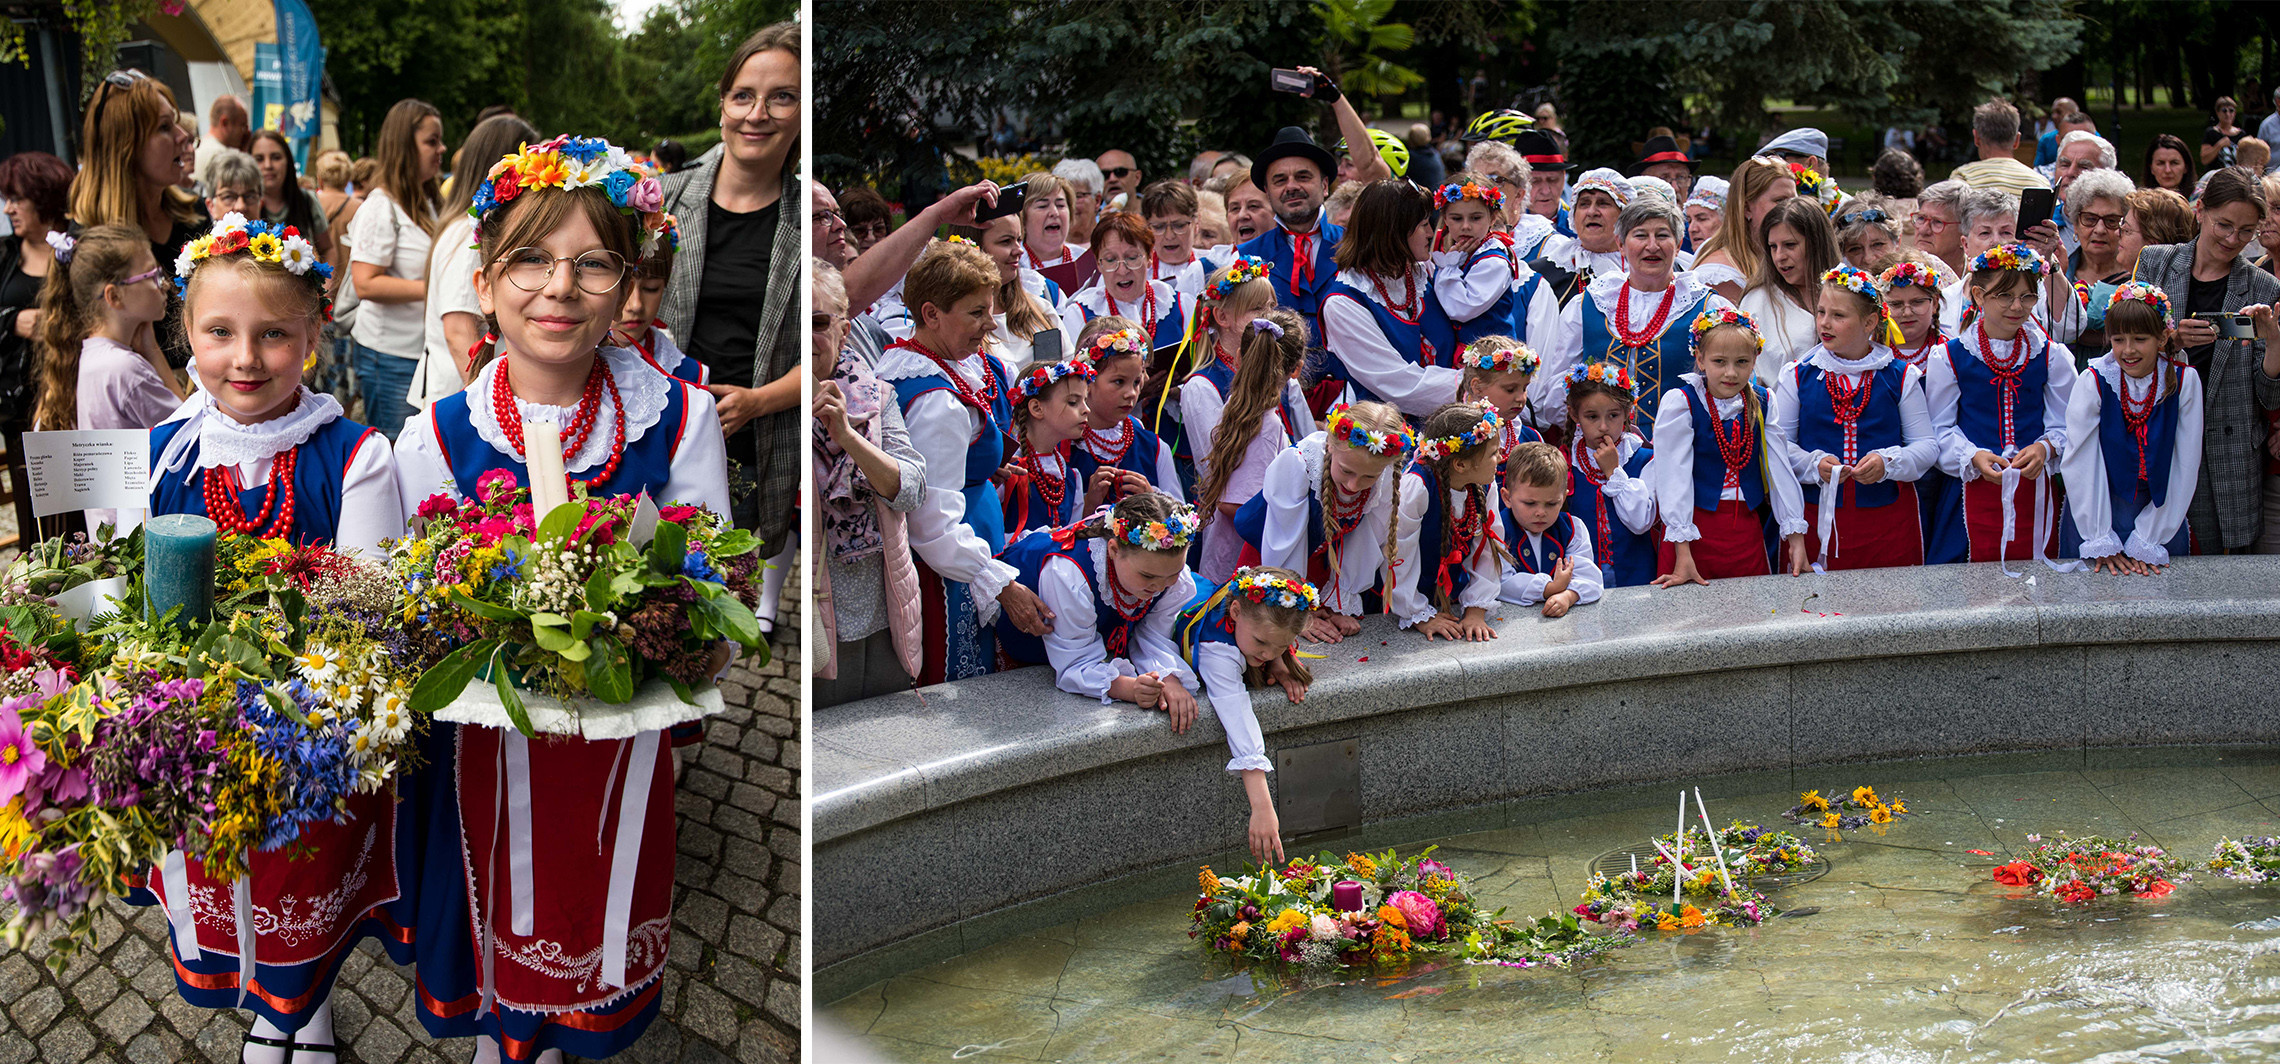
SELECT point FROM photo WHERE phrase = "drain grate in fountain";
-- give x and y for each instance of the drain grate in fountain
(1618, 861)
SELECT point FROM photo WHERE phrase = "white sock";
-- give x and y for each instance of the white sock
(486, 1050)
(317, 1032)
(772, 584)
(255, 1052)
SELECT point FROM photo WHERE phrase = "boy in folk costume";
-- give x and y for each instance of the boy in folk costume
(536, 942)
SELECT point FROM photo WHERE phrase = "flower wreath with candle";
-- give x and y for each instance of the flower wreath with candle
(1640, 900)
(1383, 443)
(2018, 257)
(1042, 377)
(1612, 374)
(1483, 431)
(2078, 870)
(2141, 292)
(1453, 193)
(1245, 268)
(1268, 589)
(1491, 357)
(567, 163)
(1751, 850)
(1718, 318)
(1173, 532)
(1365, 909)
(1858, 282)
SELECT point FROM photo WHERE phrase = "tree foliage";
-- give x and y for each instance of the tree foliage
(1357, 41)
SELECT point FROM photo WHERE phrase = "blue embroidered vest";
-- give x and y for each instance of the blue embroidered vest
(1710, 465)
(1879, 426)
(1030, 509)
(1291, 291)
(1626, 557)
(1203, 621)
(1648, 364)
(1500, 319)
(1558, 541)
(1427, 342)
(2128, 492)
(1979, 407)
(984, 514)
(320, 471)
(647, 465)
(1140, 454)
(1028, 553)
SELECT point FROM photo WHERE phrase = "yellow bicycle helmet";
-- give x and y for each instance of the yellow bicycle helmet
(1389, 147)
(1496, 125)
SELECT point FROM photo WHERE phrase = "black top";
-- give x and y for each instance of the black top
(2226, 154)
(2204, 297)
(727, 324)
(19, 291)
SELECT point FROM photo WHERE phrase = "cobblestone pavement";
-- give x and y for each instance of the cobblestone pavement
(732, 984)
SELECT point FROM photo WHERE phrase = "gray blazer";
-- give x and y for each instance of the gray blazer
(772, 469)
(2228, 505)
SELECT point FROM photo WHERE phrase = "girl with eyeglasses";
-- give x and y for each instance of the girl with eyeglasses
(102, 368)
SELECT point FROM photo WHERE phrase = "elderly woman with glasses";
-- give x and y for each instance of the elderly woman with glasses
(233, 184)
(2097, 202)
(1122, 246)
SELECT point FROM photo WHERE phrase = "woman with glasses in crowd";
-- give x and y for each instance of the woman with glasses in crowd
(1123, 246)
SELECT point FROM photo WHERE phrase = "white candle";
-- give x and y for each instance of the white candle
(1678, 876)
(542, 453)
(1634, 864)
(1717, 849)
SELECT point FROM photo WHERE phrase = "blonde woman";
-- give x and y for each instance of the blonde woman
(1731, 257)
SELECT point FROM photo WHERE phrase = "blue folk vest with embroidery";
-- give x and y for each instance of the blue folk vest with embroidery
(1626, 557)
(1502, 317)
(1427, 342)
(1710, 465)
(1558, 541)
(1979, 406)
(2123, 486)
(320, 471)
(1028, 554)
(1879, 426)
(1648, 364)
(1431, 566)
(1297, 293)
(1140, 453)
(647, 465)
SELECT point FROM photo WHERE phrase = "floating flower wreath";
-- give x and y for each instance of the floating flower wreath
(1489, 355)
(1045, 375)
(1717, 318)
(1173, 532)
(1910, 273)
(1453, 193)
(278, 245)
(1111, 345)
(2141, 292)
(1607, 373)
(1376, 441)
(1268, 589)
(1483, 431)
(1243, 269)
(568, 162)
(2011, 257)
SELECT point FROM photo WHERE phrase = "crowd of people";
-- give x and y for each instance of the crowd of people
(1153, 432)
(314, 359)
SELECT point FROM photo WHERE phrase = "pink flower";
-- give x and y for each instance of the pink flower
(1422, 916)
(438, 505)
(646, 195)
(20, 760)
(600, 524)
(679, 515)
(494, 485)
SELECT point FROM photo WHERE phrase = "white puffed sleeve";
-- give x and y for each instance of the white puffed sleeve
(1352, 333)
(699, 476)
(1784, 492)
(1469, 282)
(2157, 525)
(1407, 597)
(371, 500)
(942, 429)
(2088, 502)
(1943, 396)
(1283, 533)
(1081, 665)
(2058, 392)
(1153, 647)
(1919, 451)
(1670, 473)
(1221, 669)
(420, 467)
(1074, 315)
(1632, 497)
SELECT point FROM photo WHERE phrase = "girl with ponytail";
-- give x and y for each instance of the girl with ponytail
(1325, 510)
(1253, 428)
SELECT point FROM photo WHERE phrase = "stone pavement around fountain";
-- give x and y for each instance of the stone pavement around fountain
(731, 986)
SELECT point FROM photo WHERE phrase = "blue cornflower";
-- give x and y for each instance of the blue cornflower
(696, 566)
(511, 568)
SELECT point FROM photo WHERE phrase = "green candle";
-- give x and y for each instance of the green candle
(178, 566)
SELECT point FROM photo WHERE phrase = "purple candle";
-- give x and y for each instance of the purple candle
(1346, 896)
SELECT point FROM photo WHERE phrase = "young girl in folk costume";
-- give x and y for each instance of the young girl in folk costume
(1637, 320)
(1027, 303)
(1910, 281)
(1498, 371)
(1472, 271)
(1447, 563)
(1386, 336)
(1326, 509)
(1998, 396)
(957, 403)
(1232, 299)
(1551, 550)
(1234, 634)
(574, 963)
(1050, 403)
(1121, 245)
(1118, 455)
(1252, 430)
(1606, 464)
(638, 326)
(262, 455)
(2135, 421)
(1115, 582)
(99, 312)
(1721, 466)
(1858, 430)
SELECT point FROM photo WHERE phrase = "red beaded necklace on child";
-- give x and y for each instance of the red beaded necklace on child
(221, 490)
(599, 380)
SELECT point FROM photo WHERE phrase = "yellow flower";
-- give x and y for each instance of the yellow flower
(1899, 807)
(1240, 931)
(266, 247)
(1880, 815)
(1865, 796)
(1361, 864)
(1389, 915)
(1812, 800)
(1666, 922)
(1285, 920)
(15, 831)
(1831, 821)
(1689, 916)
(1208, 881)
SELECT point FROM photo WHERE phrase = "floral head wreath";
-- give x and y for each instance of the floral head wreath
(1818, 185)
(668, 235)
(1175, 531)
(963, 240)
(1483, 431)
(568, 162)
(1858, 282)
(1910, 273)
(1267, 589)
(2141, 292)
(1381, 442)
(1244, 268)
(1111, 345)
(1607, 373)
(1453, 192)
(2011, 257)
(1718, 318)
(1499, 358)
(1045, 375)
(282, 246)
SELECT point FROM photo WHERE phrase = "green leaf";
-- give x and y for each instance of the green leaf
(549, 620)
(582, 623)
(609, 676)
(670, 546)
(560, 523)
(481, 608)
(510, 699)
(682, 690)
(601, 591)
(628, 583)
(441, 685)
(730, 617)
(284, 705)
(552, 640)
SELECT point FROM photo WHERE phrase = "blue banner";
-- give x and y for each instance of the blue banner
(301, 75)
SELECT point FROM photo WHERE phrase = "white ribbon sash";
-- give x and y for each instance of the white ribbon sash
(522, 916)
(244, 891)
(174, 872)
(632, 816)
(1828, 518)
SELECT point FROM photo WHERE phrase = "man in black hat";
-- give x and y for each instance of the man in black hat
(1547, 177)
(1662, 157)
(1295, 173)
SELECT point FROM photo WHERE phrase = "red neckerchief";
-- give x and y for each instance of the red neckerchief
(1302, 253)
